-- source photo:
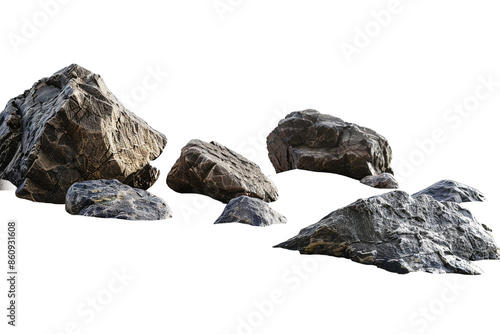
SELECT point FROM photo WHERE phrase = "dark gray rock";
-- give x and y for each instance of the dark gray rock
(216, 171)
(251, 211)
(383, 181)
(401, 234)
(113, 199)
(324, 143)
(451, 191)
(69, 128)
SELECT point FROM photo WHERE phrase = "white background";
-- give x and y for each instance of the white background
(231, 76)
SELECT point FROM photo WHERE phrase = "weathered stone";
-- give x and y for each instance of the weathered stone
(216, 171)
(113, 199)
(384, 181)
(324, 143)
(401, 234)
(451, 191)
(69, 128)
(251, 211)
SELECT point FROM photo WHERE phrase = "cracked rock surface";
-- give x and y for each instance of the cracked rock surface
(251, 211)
(216, 171)
(69, 128)
(451, 191)
(113, 199)
(401, 234)
(383, 181)
(324, 143)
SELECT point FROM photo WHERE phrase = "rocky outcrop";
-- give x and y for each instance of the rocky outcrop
(451, 191)
(251, 211)
(323, 143)
(69, 128)
(383, 181)
(216, 171)
(113, 199)
(401, 234)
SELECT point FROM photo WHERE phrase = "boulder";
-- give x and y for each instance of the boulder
(324, 143)
(451, 191)
(401, 234)
(69, 128)
(113, 199)
(216, 171)
(383, 181)
(251, 211)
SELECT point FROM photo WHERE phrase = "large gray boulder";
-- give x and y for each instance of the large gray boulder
(251, 211)
(324, 143)
(113, 199)
(451, 191)
(214, 170)
(401, 234)
(69, 128)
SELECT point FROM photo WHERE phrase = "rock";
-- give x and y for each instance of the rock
(385, 181)
(401, 234)
(216, 171)
(251, 211)
(451, 191)
(323, 143)
(69, 128)
(113, 199)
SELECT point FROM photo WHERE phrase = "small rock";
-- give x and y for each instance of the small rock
(451, 191)
(216, 171)
(113, 199)
(384, 181)
(251, 211)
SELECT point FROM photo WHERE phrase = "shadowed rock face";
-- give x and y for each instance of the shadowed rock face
(216, 171)
(401, 234)
(451, 191)
(383, 181)
(69, 128)
(113, 199)
(323, 143)
(251, 211)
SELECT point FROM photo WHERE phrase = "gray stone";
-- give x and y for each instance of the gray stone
(251, 211)
(401, 234)
(69, 128)
(113, 199)
(383, 181)
(324, 143)
(451, 191)
(216, 171)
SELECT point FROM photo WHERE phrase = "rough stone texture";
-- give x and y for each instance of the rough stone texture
(214, 170)
(69, 128)
(251, 211)
(401, 234)
(324, 143)
(451, 191)
(113, 199)
(384, 181)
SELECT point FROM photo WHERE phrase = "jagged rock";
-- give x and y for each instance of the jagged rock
(113, 199)
(401, 234)
(385, 181)
(69, 128)
(216, 171)
(324, 143)
(251, 211)
(451, 191)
